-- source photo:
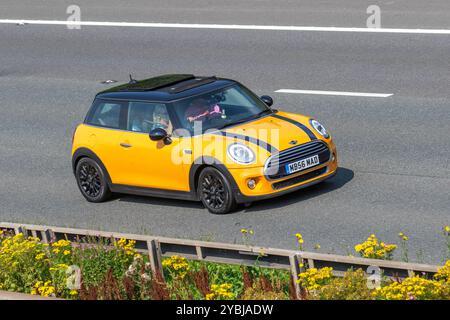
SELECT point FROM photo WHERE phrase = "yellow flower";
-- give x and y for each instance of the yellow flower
(73, 292)
(220, 292)
(40, 256)
(374, 249)
(176, 265)
(66, 252)
(447, 229)
(443, 273)
(244, 231)
(61, 243)
(403, 237)
(412, 288)
(313, 278)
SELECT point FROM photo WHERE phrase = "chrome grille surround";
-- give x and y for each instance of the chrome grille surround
(274, 166)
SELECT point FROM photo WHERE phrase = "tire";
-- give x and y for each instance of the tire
(215, 192)
(91, 180)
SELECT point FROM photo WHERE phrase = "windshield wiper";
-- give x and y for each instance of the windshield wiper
(267, 111)
(235, 123)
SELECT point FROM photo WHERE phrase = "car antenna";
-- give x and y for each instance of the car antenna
(132, 81)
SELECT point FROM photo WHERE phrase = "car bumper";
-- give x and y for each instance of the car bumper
(266, 188)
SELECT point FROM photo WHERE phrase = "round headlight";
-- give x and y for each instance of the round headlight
(319, 128)
(240, 153)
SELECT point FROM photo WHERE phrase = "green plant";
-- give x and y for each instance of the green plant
(353, 286)
(300, 241)
(404, 245)
(264, 288)
(246, 236)
(24, 261)
(374, 249)
(446, 232)
(312, 279)
(414, 288)
(443, 273)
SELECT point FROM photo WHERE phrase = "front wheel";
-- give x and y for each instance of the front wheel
(215, 191)
(91, 180)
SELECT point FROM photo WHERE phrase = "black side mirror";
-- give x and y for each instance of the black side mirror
(160, 134)
(267, 100)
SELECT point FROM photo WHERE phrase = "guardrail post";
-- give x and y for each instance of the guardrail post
(199, 251)
(154, 254)
(17, 230)
(46, 236)
(295, 261)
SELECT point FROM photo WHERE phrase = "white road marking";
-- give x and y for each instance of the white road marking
(223, 26)
(337, 93)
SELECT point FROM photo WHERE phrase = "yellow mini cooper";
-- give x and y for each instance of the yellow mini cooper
(204, 139)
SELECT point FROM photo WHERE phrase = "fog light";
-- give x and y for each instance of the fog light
(251, 184)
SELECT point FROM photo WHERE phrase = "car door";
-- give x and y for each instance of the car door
(147, 163)
(107, 120)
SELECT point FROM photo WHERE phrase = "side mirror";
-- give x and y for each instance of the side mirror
(267, 100)
(160, 134)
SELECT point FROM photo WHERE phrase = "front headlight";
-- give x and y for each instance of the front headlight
(319, 128)
(240, 153)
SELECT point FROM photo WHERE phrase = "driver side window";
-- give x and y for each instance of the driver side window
(144, 117)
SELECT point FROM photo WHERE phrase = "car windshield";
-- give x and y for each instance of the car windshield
(219, 109)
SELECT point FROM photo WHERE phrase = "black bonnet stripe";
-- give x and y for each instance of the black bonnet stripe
(258, 142)
(310, 134)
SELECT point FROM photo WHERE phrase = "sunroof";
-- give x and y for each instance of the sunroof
(153, 83)
(191, 84)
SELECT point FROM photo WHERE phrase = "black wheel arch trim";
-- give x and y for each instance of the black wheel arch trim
(85, 152)
(206, 161)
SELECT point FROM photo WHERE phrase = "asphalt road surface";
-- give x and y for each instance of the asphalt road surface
(394, 152)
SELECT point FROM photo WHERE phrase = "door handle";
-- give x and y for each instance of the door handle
(125, 145)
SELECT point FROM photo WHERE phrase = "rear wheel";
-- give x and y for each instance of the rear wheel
(91, 180)
(215, 191)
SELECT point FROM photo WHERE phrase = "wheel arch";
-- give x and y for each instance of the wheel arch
(86, 153)
(204, 162)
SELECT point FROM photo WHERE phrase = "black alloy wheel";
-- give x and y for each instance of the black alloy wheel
(91, 181)
(215, 191)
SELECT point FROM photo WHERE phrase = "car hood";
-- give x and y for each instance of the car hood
(266, 136)
(279, 131)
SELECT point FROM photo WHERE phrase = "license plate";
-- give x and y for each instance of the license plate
(302, 164)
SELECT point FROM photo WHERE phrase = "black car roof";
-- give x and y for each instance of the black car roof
(166, 87)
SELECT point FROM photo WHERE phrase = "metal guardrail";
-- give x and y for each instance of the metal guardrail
(8, 295)
(293, 260)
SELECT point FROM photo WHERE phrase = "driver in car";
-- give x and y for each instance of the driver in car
(144, 122)
(161, 118)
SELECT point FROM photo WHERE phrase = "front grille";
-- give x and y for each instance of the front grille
(298, 179)
(276, 165)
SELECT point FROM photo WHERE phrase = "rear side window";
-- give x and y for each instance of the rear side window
(106, 114)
